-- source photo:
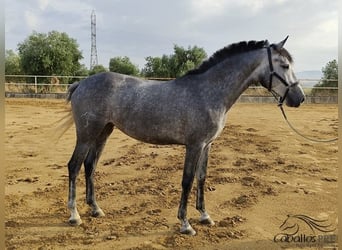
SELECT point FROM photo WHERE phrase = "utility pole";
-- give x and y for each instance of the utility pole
(93, 56)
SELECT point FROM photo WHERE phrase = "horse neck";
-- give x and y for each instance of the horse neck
(230, 78)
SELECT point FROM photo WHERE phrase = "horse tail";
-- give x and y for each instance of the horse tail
(62, 126)
(64, 123)
(71, 90)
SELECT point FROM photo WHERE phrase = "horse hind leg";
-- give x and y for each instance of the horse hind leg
(90, 166)
(74, 166)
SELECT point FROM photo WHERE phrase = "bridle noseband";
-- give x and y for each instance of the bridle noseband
(275, 74)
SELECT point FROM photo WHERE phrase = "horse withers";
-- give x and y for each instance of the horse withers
(190, 110)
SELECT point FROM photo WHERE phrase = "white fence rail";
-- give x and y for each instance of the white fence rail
(56, 87)
(38, 84)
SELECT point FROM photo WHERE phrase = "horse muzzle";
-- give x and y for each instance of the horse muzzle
(295, 97)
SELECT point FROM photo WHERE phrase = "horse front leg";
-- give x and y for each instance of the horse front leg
(192, 156)
(201, 174)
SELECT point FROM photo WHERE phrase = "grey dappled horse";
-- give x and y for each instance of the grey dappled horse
(190, 110)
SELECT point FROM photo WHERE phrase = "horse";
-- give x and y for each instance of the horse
(190, 110)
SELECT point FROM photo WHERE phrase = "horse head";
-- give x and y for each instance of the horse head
(278, 75)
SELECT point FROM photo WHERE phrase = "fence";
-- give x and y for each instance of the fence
(28, 84)
(56, 87)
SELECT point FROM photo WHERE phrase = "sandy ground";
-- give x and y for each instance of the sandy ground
(259, 172)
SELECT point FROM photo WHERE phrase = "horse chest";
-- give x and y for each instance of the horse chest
(219, 121)
(220, 124)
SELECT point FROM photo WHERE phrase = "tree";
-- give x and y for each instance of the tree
(157, 67)
(12, 66)
(330, 72)
(123, 65)
(54, 53)
(329, 79)
(12, 63)
(176, 64)
(82, 71)
(184, 60)
(97, 69)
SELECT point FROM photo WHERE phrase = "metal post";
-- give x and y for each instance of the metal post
(35, 85)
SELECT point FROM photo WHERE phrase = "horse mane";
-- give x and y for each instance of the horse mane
(233, 49)
(227, 51)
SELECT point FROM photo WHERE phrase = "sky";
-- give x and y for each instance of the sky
(141, 28)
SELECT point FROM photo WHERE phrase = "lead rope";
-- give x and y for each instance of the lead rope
(282, 98)
(295, 130)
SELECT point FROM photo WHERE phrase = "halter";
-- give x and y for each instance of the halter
(275, 74)
(282, 98)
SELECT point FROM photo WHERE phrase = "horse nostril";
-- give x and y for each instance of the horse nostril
(303, 99)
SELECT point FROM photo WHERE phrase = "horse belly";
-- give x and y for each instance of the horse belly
(153, 134)
(155, 129)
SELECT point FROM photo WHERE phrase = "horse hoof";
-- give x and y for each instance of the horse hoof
(207, 221)
(97, 213)
(75, 222)
(188, 230)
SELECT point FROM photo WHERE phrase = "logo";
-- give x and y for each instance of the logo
(302, 229)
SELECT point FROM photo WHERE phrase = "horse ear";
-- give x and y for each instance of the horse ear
(280, 45)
